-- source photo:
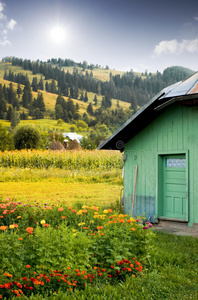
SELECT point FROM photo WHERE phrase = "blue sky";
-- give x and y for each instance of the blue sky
(123, 34)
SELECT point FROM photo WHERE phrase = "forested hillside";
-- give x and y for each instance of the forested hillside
(77, 97)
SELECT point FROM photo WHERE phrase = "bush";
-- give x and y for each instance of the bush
(67, 248)
(6, 139)
(26, 137)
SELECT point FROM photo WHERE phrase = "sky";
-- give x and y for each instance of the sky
(142, 35)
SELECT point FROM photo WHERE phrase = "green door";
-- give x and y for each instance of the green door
(174, 187)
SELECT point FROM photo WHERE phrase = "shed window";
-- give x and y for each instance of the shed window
(175, 162)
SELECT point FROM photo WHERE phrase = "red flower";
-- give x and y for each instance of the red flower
(27, 266)
(109, 275)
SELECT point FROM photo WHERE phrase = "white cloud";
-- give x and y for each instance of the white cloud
(5, 26)
(2, 6)
(196, 18)
(175, 47)
(2, 16)
(11, 24)
(5, 42)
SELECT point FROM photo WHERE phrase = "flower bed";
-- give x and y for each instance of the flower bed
(50, 248)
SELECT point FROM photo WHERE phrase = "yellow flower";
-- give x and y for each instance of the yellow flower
(79, 212)
(11, 226)
(105, 211)
(18, 217)
(80, 224)
(91, 221)
(42, 222)
(95, 213)
(85, 206)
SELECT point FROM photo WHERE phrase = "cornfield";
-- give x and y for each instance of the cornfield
(70, 160)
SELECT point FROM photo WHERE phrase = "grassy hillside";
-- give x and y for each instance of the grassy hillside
(50, 99)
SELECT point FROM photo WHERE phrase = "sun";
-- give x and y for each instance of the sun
(58, 34)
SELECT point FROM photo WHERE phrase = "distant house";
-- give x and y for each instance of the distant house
(72, 136)
(160, 144)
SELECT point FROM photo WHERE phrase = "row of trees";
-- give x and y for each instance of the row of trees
(30, 137)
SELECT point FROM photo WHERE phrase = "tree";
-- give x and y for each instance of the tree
(40, 84)
(9, 113)
(14, 118)
(95, 100)
(27, 95)
(59, 113)
(90, 109)
(26, 137)
(34, 84)
(23, 116)
(3, 108)
(40, 102)
(6, 139)
(86, 97)
(19, 90)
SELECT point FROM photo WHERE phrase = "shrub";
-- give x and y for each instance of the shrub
(26, 137)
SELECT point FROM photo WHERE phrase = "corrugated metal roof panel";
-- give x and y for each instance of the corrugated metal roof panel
(182, 88)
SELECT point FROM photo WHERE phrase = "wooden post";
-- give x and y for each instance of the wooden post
(136, 169)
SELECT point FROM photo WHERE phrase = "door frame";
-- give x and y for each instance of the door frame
(159, 186)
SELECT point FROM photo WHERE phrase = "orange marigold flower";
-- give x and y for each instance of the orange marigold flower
(3, 227)
(1, 217)
(129, 269)
(60, 209)
(84, 211)
(131, 265)
(15, 225)
(132, 229)
(46, 225)
(18, 217)
(73, 210)
(48, 207)
(102, 233)
(28, 266)
(128, 221)
(95, 268)
(63, 217)
(122, 221)
(110, 210)
(30, 230)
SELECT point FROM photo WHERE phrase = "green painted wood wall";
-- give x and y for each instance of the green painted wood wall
(175, 131)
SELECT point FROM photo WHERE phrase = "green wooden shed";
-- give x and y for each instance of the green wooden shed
(160, 154)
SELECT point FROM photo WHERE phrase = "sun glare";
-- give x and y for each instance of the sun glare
(58, 34)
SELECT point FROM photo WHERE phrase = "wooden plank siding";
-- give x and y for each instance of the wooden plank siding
(174, 131)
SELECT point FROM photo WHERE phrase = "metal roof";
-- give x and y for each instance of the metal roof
(73, 136)
(185, 91)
